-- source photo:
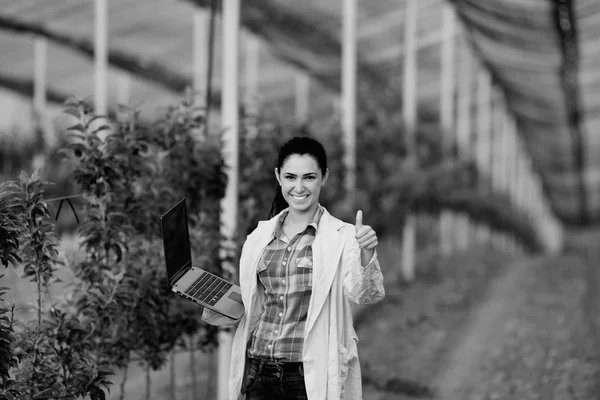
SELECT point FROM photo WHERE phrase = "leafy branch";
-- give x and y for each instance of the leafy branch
(10, 208)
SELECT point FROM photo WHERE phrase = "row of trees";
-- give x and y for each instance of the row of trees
(119, 305)
(127, 172)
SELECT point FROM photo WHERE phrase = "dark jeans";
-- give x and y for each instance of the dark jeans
(267, 381)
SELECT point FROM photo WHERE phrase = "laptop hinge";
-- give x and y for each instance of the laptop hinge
(179, 274)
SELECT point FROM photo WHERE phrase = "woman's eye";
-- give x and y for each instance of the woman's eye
(293, 178)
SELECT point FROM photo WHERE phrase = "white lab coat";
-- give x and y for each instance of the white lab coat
(330, 358)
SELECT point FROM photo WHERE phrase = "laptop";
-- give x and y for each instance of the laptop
(188, 281)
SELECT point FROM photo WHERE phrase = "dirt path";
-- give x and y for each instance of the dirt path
(485, 331)
(528, 339)
(406, 338)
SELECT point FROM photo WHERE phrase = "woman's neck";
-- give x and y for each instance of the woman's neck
(301, 217)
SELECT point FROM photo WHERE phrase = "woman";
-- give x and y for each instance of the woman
(298, 272)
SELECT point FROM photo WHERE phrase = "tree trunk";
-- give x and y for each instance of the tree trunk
(212, 375)
(124, 381)
(38, 332)
(148, 382)
(193, 389)
(172, 373)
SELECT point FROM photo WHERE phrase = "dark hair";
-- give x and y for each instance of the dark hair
(301, 145)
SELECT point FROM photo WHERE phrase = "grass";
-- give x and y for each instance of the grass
(402, 339)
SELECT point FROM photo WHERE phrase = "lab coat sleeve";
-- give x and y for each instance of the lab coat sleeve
(362, 285)
(214, 318)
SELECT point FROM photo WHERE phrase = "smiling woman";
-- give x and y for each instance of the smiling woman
(301, 172)
(299, 270)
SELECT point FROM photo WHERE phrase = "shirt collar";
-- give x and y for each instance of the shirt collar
(278, 231)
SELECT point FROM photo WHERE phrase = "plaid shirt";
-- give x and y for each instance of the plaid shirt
(285, 271)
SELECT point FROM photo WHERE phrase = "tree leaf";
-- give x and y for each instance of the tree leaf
(77, 127)
(74, 112)
(101, 128)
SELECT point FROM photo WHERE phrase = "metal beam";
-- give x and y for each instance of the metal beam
(25, 88)
(134, 64)
(287, 31)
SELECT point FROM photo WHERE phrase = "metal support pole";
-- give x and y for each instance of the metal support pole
(511, 170)
(302, 97)
(100, 56)
(504, 162)
(503, 149)
(464, 132)
(409, 113)
(349, 95)
(201, 35)
(496, 157)
(39, 99)
(447, 218)
(230, 125)
(39, 80)
(123, 88)
(484, 101)
(251, 74)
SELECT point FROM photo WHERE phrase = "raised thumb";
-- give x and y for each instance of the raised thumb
(359, 219)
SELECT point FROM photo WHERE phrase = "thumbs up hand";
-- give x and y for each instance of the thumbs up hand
(365, 235)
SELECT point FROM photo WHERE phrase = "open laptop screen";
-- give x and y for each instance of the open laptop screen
(176, 240)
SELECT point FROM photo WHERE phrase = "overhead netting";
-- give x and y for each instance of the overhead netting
(542, 56)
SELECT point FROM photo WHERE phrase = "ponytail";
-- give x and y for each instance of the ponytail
(279, 203)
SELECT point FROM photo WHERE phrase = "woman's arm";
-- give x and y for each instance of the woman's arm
(363, 284)
(214, 318)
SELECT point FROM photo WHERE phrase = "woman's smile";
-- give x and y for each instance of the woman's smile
(299, 198)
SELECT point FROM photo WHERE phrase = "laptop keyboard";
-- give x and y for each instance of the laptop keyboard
(208, 288)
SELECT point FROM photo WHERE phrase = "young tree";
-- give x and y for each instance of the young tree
(128, 180)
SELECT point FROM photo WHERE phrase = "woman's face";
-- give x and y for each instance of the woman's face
(301, 180)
